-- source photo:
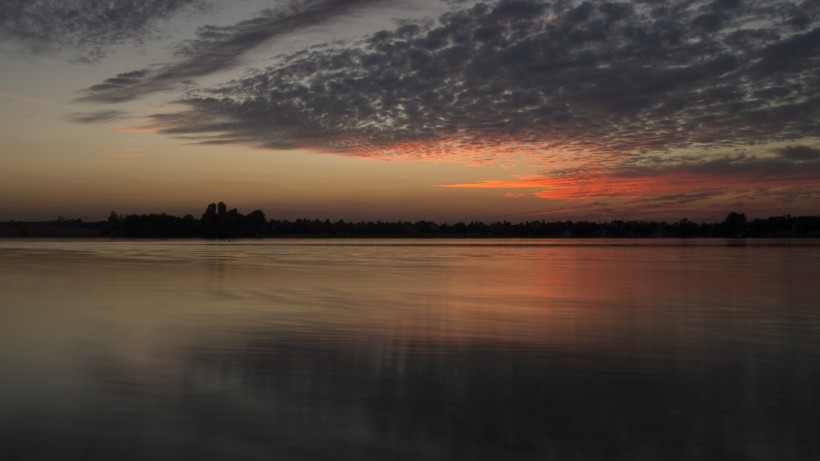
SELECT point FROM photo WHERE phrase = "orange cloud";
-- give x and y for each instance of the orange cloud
(742, 181)
(761, 174)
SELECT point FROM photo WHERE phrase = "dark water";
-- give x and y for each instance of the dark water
(496, 350)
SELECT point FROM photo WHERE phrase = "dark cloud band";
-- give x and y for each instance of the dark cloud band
(88, 27)
(594, 76)
(102, 116)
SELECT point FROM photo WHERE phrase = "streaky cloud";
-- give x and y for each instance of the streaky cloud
(677, 185)
(101, 116)
(783, 167)
(218, 48)
(769, 169)
(761, 181)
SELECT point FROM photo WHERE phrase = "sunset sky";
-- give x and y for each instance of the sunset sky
(444, 110)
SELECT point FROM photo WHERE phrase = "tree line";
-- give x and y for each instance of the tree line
(220, 222)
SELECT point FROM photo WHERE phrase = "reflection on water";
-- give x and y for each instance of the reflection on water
(306, 349)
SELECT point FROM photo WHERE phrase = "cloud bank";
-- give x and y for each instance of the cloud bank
(563, 76)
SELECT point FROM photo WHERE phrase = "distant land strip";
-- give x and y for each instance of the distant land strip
(219, 222)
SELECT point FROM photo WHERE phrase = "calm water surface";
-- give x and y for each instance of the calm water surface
(374, 349)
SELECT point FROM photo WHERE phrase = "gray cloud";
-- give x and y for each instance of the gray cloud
(792, 163)
(799, 153)
(219, 48)
(102, 116)
(790, 177)
(755, 183)
(592, 76)
(665, 201)
(88, 27)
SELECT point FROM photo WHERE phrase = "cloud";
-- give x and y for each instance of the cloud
(591, 77)
(218, 48)
(706, 189)
(799, 153)
(102, 116)
(87, 27)
(680, 186)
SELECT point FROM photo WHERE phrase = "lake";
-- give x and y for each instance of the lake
(410, 349)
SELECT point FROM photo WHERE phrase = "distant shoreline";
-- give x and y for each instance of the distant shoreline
(220, 223)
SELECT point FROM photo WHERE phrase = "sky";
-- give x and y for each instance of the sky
(444, 110)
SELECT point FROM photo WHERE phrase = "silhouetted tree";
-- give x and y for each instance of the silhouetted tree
(208, 222)
(734, 224)
(256, 222)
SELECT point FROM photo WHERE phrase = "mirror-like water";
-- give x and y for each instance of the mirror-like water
(486, 349)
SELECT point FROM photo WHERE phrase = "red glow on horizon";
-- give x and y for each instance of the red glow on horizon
(630, 187)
